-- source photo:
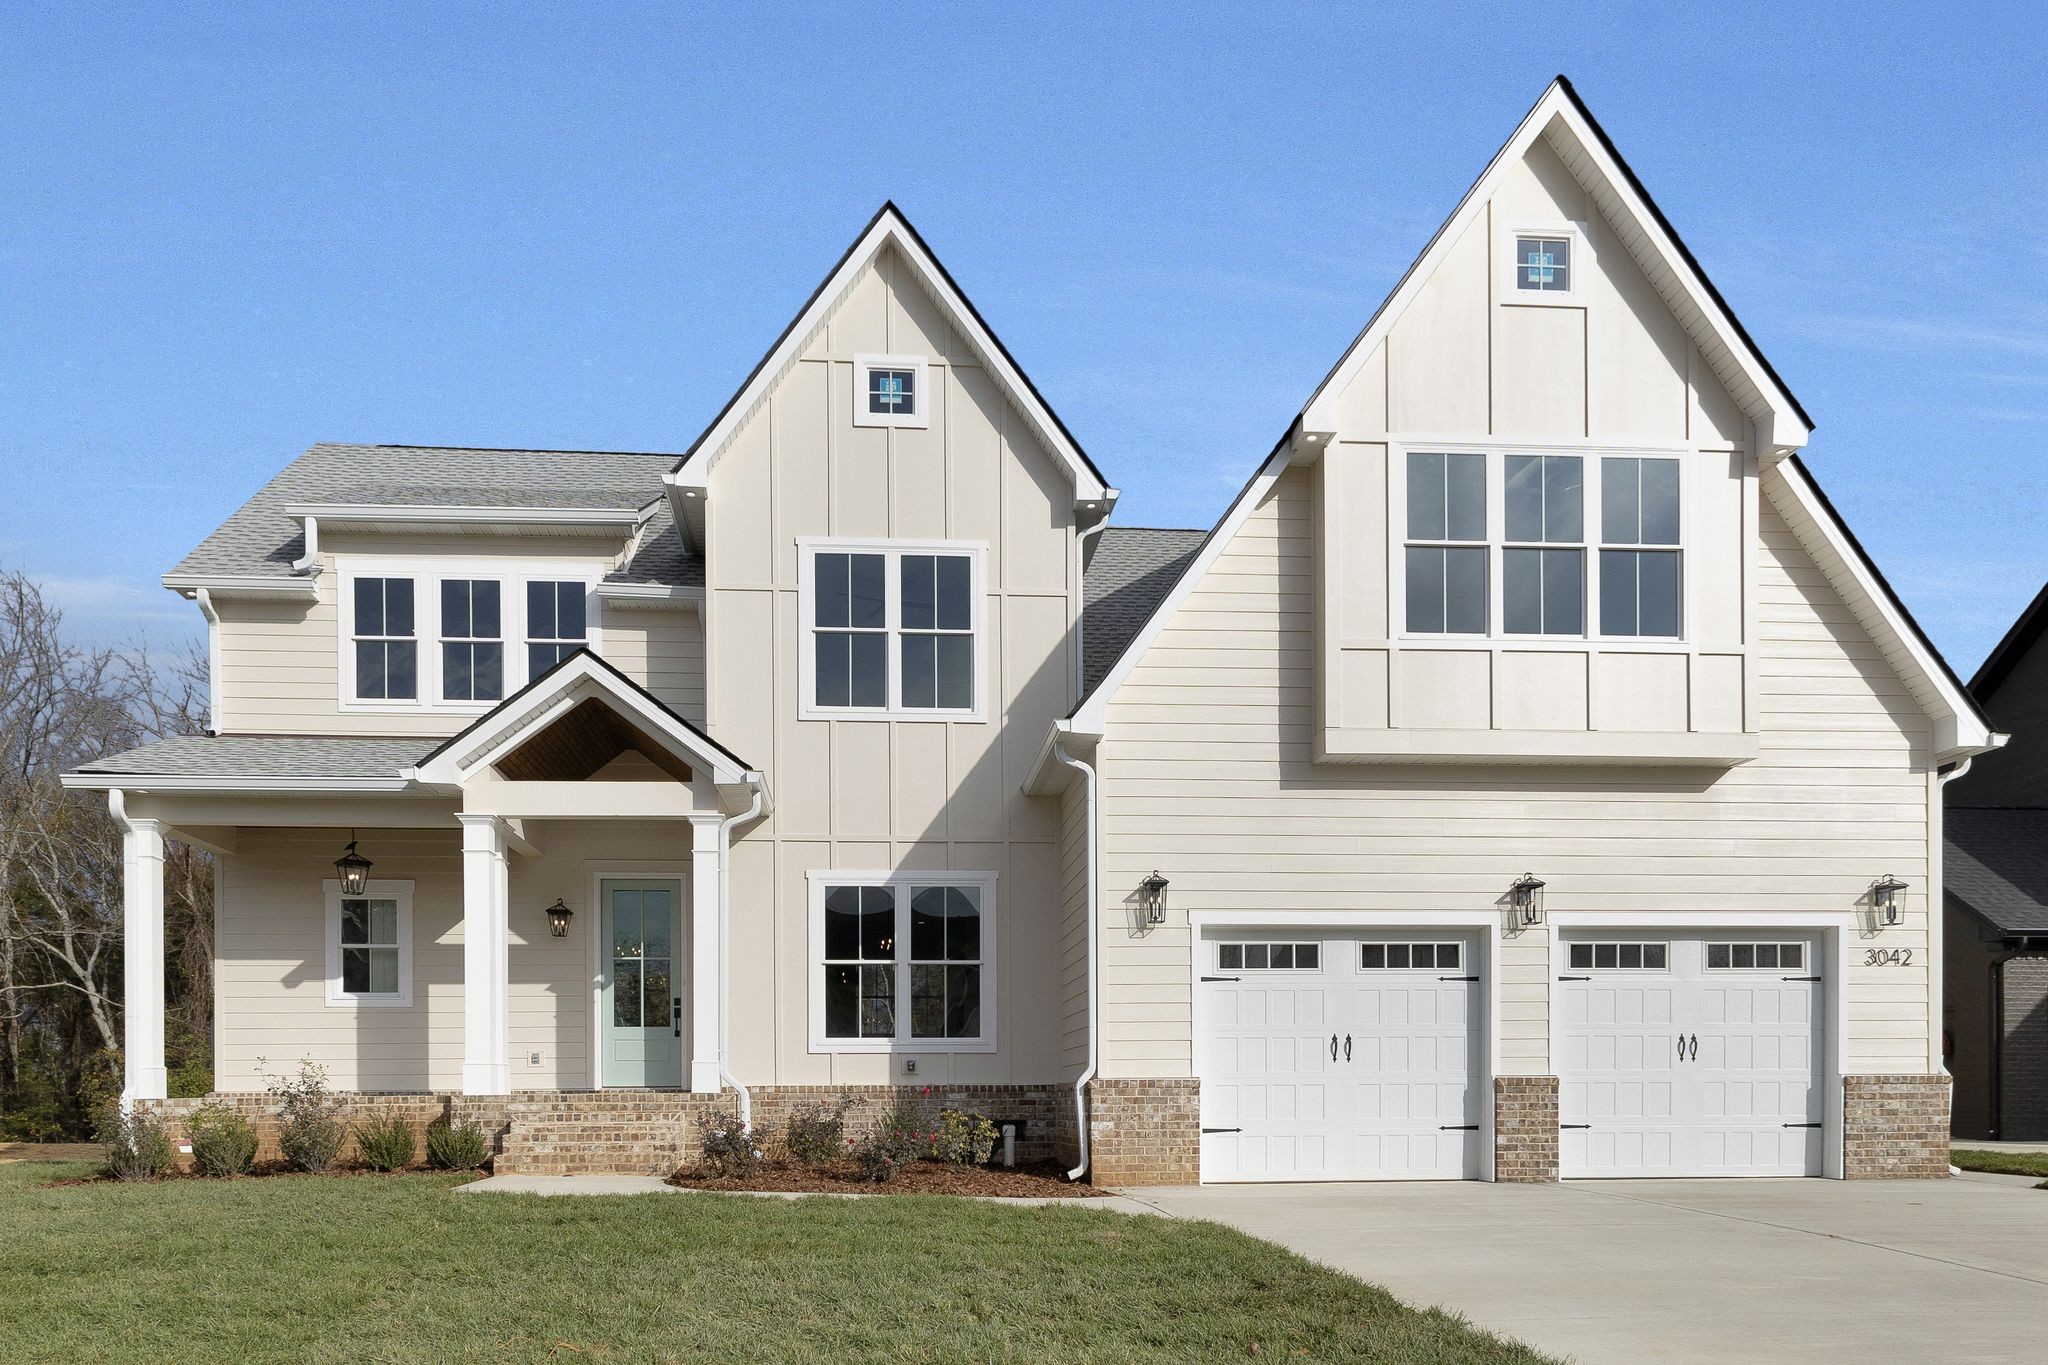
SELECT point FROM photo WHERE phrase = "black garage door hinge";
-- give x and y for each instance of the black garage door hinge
(1575, 1125)
(1457, 1127)
(1222, 978)
(1457, 978)
(1575, 978)
(1223, 1130)
(1803, 978)
(1802, 1125)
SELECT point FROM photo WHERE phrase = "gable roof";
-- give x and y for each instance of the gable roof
(1562, 117)
(2010, 650)
(1996, 864)
(262, 538)
(888, 228)
(1132, 570)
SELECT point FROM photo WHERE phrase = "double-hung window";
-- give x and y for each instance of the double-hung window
(1446, 550)
(1639, 587)
(901, 960)
(555, 624)
(1543, 560)
(369, 944)
(386, 650)
(472, 643)
(892, 630)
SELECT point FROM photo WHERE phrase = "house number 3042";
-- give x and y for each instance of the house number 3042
(1887, 957)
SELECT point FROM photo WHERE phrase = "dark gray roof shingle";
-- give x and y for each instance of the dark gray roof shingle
(264, 756)
(260, 540)
(1997, 864)
(1133, 570)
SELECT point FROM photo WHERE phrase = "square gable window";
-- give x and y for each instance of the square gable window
(1541, 265)
(890, 391)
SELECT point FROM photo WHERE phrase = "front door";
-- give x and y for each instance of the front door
(641, 1012)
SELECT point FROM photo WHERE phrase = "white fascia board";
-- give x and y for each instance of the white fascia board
(650, 597)
(229, 784)
(1959, 727)
(244, 585)
(385, 516)
(1780, 428)
(515, 721)
(1091, 717)
(888, 229)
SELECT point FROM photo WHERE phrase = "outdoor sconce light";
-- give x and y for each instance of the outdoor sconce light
(559, 916)
(354, 869)
(1886, 893)
(1152, 896)
(1526, 895)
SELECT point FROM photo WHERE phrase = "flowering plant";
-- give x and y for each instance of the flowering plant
(730, 1149)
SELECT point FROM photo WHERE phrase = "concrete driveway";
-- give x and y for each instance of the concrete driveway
(1687, 1270)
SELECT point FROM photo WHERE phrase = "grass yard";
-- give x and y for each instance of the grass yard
(2001, 1163)
(395, 1268)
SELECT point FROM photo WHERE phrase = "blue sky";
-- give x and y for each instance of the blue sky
(228, 234)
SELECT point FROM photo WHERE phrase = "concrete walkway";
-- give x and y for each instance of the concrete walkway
(1686, 1270)
(651, 1184)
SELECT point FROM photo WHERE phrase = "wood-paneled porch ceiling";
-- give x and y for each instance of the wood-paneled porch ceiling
(576, 746)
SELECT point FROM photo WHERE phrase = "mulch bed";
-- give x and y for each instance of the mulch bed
(1036, 1180)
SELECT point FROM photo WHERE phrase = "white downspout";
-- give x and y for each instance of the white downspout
(725, 828)
(1088, 1072)
(311, 558)
(1937, 928)
(205, 601)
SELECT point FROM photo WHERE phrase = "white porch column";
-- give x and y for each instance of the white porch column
(142, 915)
(705, 951)
(486, 958)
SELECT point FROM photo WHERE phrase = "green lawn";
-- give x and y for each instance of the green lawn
(2001, 1163)
(402, 1268)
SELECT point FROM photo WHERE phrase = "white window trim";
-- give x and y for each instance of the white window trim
(399, 891)
(427, 575)
(901, 882)
(1398, 451)
(810, 547)
(1573, 296)
(920, 392)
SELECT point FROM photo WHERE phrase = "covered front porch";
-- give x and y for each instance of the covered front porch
(542, 908)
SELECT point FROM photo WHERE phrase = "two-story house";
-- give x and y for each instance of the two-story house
(1528, 776)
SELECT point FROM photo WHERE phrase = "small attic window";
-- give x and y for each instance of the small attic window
(1543, 264)
(889, 391)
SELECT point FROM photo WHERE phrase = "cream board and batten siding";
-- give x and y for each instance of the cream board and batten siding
(270, 1007)
(1208, 773)
(888, 794)
(280, 662)
(1469, 365)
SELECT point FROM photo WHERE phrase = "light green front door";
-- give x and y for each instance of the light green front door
(641, 1037)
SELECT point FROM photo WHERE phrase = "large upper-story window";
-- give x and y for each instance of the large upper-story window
(891, 628)
(487, 630)
(1497, 545)
(901, 960)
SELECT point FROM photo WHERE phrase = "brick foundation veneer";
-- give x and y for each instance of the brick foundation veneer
(1041, 1109)
(261, 1111)
(1895, 1127)
(1525, 1129)
(1145, 1132)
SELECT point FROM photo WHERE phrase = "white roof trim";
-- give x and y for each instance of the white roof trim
(305, 587)
(1959, 727)
(1092, 715)
(890, 229)
(189, 782)
(380, 515)
(1780, 424)
(580, 678)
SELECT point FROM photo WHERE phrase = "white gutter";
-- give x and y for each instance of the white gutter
(230, 784)
(1088, 1072)
(205, 601)
(725, 828)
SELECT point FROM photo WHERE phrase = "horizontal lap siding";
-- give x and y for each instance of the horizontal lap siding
(1208, 775)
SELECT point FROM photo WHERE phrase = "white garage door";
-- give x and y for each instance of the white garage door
(1340, 1057)
(1692, 1055)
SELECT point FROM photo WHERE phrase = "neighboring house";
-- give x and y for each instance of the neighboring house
(1996, 966)
(853, 749)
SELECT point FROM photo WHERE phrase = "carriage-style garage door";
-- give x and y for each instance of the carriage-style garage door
(1690, 1054)
(1340, 1057)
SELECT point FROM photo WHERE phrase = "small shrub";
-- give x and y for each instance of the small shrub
(311, 1123)
(817, 1131)
(223, 1142)
(387, 1144)
(731, 1150)
(964, 1139)
(905, 1132)
(137, 1146)
(457, 1146)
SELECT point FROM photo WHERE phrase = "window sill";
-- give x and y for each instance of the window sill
(378, 1002)
(894, 1047)
(957, 717)
(1549, 747)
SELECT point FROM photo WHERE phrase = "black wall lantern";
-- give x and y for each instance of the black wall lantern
(354, 869)
(559, 916)
(1152, 896)
(1526, 895)
(1886, 895)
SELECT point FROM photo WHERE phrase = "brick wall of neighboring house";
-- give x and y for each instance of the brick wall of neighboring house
(1894, 1127)
(1145, 1132)
(2023, 1073)
(419, 1110)
(1525, 1129)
